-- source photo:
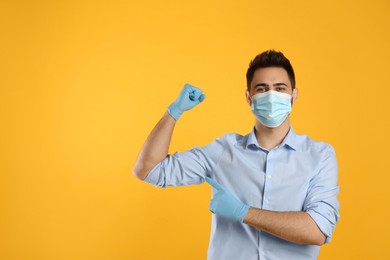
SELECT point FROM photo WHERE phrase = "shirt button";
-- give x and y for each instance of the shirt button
(269, 176)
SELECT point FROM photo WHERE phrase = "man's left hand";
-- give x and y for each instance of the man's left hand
(226, 204)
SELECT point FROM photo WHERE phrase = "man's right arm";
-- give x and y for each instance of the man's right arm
(155, 148)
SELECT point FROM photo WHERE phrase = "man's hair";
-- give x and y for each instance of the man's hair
(268, 59)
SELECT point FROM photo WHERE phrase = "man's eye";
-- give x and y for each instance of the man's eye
(261, 90)
(280, 89)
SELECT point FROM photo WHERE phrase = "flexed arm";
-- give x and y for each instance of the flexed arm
(156, 146)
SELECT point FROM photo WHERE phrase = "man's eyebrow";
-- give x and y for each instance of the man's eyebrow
(261, 85)
(267, 85)
(280, 84)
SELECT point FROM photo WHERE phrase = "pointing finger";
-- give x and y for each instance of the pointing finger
(214, 183)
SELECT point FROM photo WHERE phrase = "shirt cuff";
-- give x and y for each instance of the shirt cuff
(323, 224)
(153, 176)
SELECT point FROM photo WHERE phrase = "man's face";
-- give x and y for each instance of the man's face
(272, 78)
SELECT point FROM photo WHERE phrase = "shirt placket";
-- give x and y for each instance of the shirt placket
(267, 194)
(269, 168)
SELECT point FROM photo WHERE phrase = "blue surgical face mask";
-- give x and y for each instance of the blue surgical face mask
(271, 108)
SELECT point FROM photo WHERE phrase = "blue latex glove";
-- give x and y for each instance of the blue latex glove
(189, 97)
(226, 204)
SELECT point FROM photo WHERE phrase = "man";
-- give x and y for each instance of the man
(274, 192)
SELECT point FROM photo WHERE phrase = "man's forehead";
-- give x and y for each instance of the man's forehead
(275, 76)
(268, 71)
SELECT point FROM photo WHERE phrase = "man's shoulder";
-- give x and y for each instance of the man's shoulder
(221, 143)
(306, 143)
(231, 139)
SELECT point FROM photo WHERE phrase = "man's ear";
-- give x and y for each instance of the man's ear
(294, 95)
(248, 98)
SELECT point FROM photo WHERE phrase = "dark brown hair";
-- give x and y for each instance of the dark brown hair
(268, 59)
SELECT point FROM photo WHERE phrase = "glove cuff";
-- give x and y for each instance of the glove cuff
(242, 212)
(174, 111)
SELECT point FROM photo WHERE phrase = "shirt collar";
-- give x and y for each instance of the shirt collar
(290, 140)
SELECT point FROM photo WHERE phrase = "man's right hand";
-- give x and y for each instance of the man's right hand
(189, 97)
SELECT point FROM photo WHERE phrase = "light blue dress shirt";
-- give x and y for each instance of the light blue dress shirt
(298, 175)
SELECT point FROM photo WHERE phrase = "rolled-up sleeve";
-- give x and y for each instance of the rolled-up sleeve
(321, 202)
(186, 168)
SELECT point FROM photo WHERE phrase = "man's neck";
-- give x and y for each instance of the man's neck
(269, 138)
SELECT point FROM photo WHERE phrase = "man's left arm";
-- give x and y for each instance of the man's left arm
(314, 225)
(296, 227)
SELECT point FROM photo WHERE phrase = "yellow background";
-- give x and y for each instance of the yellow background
(84, 82)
